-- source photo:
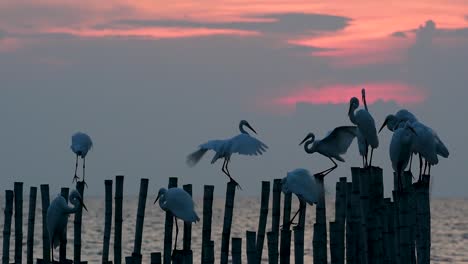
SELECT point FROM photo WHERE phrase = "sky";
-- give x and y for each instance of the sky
(151, 80)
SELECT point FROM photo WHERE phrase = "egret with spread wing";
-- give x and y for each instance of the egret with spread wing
(81, 144)
(180, 204)
(57, 217)
(332, 146)
(243, 144)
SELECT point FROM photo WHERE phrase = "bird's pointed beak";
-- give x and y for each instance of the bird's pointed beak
(384, 124)
(82, 204)
(304, 140)
(251, 128)
(157, 198)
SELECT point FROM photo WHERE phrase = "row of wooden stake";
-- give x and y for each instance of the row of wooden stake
(367, 227)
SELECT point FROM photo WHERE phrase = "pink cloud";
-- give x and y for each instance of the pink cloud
(341, 93)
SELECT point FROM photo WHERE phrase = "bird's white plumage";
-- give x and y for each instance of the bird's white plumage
(301, 183)
(365, 123)
(179, 203)
(424, 143)
(401, 148)
(81, 144)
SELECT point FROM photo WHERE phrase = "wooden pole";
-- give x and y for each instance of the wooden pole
(209, 252)
(424, 220)
(236, 250)
(77, 226)
(340, 217)
(251, 247)
(9, 195)
(156, 258)
(388, 233)
(319, 240)
(119, 181)
(285, 242)
(140, 219)
(207, 214)
(272, 240)
(228, 210)
(364, 186)
(299, 235)
(63, 242)
(276, 210)
(45, 199)
(18, 187)
(351, 228)
(31, 221)
(107, 221)
(168, 228)
(334, 254)
(187, 226)
(265, 200)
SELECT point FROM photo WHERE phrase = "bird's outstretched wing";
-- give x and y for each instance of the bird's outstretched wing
(246, 145)
(341, 138)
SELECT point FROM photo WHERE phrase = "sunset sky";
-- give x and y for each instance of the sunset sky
(150, 80)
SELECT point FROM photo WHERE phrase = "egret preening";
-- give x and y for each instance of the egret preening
(179, 203)
(332, 146)
(81, 144)
(57, 217)
(243, 144)
(303, 185)
(366, 125)
(401, 149)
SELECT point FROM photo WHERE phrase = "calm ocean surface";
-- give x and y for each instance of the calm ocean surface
(449, 228)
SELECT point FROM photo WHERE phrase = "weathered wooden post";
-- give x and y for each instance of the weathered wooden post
(209, 252)
(351, 226)
(364, 185)
(45, 200)
(31, 221)
(207, 214)
(188, 255)
(119, 181)
(136, 255)
(319, 240)
(251, 247)
(9, 195)
(77, 226)
(389, 235)
(264, 202)
(340, 216)
(63, 242)
(423, 216)
(334, 254)
(236, 250)
(285, 243)
(228, 210)
(299, 235)
(272, 240)
(107, 221)
(168, 226)
(276, 211)
(18, 188)
(155, 258)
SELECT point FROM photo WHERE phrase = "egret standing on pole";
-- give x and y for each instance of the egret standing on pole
(57, 217)
(401, 149)
(81, 144)
(243, 144)
(332, 146)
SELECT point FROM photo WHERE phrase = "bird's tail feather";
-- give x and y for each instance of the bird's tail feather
(195, 157)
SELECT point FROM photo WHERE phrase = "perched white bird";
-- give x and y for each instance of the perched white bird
(401, 149)
(243, 144)
(57, 217)
(81, 144)
(303, 185)
(366, 125)
(179, 203)
(332, 146)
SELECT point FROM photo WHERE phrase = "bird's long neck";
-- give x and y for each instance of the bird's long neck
(241, 128)
(71, 210)
(364, 101)
(352, 116)
(309, 147)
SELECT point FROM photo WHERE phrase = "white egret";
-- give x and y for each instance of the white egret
(401, 149)
(366, 125)
(332, 146)
(243, 144)
(303, 185)
(57, 217)
(179, 203)
(81, 144)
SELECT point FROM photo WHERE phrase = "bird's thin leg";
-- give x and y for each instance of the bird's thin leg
(420, 167)
(176, 233)
(75, 178)
(429, 172)
(229, 174)
(425, 167)
(327, 171)
(363, 162)
(371, 154)
(288, 224)
(367, 152)
(84, 167)
(52, 253)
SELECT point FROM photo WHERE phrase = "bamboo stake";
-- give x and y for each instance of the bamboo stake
(156, 258)
(140, 220)
(236, 250)
(209, 252)
(31, 221)
(285, 243)
(340, 216)
(63, 242)
(9, 196)
(77, 225)
(319, 240)
(187, 226)
(228, 210)
(107, 221)
(334, 254)
(272, 239)
(18, 188)
(45, 234)
(168, 226)
(119, 181)
(207, 214)
(424, 220)
(251, 247)
(263, 218)
(351, 232)
(298, 244)
(364, 186)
